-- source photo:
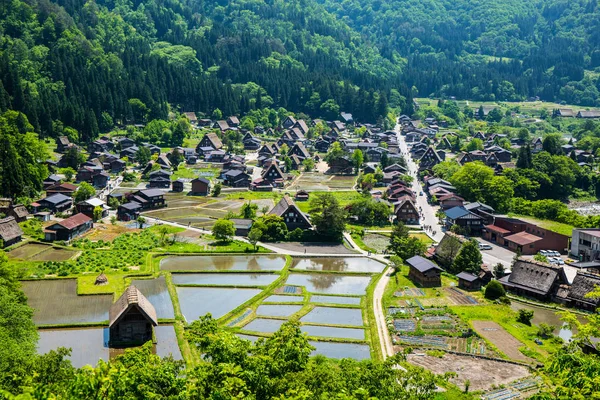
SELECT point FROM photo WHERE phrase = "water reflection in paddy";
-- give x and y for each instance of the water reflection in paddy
(280, 298)
(198, 301)
(548, 316)
(334, 316)
(264, 325)
(329, 331)
(224, 279)
(335, 300)
(331, 283)
(274, 310)
(341, 264)
(157, 293)
(223, 263)
(332, 349)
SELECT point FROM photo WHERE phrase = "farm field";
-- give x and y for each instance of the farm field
(481, 373)
(41, 252)
(503, 340)
(56, 302)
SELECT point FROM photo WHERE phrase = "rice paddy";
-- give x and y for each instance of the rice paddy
(198, 301)
(331, 283)
(223, 263)
(342, 264)
(334, 316)
(355, 301)
(224, 279)
(277, 310)
(334, 332)
(55, 302)
(157, 293)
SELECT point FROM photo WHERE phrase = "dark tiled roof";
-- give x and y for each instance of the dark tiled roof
(466, 276)
(422, 264)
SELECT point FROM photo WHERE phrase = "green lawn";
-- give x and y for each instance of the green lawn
(553, 226)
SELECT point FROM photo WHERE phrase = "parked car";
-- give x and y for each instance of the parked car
(544, 253)
(484, 246)
(556, 260)
(554, 253)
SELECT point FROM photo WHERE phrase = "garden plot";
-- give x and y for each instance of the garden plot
(334, 316)
(53, 254)
(438, 322)
(184, 200)
(224, 279)
(198, 301)
(481, 373)
(55, 302)
(107, 232)
(409, 292)
(331, 283)
(171, 213)
(376, 241)
(459, 298)
(341, 264)
(500, 338)
(405, 325)
(157, 293)
(277, 310)
(312, 182)
(223, 263)
(28, 250)
(424, 341)
(338, 182)
(401, 310)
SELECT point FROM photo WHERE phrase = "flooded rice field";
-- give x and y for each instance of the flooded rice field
(334, 316)
(56, 302)
(223, 263)
(157, 293)
(335, 264)
(335, 300)
(331, 283)
(224, 279)
(280, 298)
(548, 316)
(264, 325)
(331, 349)
(329, 331)
(197, 301)
(89, 345)
(277, 310)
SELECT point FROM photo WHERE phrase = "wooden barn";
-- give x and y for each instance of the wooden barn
(424, 272)
(468, 281)
(131, 319)
(10, 232)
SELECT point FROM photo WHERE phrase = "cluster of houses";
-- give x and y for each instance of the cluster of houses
(570, 113)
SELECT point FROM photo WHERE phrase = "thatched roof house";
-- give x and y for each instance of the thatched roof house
(10, 231)
(131, 319)
(534, 279)
(582, 285)
(101, 279)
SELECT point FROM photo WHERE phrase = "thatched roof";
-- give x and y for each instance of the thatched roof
(9, 229)
(128, 300)
(101, 279)
(582, 285)
(533, 276)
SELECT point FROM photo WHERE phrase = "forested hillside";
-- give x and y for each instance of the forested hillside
(92, 64)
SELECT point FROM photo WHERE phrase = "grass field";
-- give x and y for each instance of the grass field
(558, 227)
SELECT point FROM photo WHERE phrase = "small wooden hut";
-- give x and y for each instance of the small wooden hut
(131, 319)
(101, 280)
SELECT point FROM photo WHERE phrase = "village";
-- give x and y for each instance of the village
(139, 241)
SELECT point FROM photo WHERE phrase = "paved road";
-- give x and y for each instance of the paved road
(428, 210)
(492, 257)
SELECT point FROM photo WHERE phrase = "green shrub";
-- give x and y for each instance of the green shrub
(494, 290)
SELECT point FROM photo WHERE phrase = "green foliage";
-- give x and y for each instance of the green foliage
(369, 212)
(545, 330)
(477, 182)
(540, 258)
(84, 192)
(494, 290)
(223, 230)
(33, 228)
(248, 210)
(271, 228)
(403, 245)
(468, 258)
(328, 217)
(143, 156)
(216, 190)
(525, 316)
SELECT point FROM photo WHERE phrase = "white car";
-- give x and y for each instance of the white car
(484, 246)
(554, 253)
(544, 253)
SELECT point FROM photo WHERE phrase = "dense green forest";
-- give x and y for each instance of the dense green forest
(92, 64)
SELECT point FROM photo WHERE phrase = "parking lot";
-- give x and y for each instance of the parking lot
(497, 254)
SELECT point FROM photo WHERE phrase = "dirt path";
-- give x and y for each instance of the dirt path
(504, 341)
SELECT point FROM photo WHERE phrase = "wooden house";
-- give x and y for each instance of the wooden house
(429, 159)
(274, 175)
(534, 279)
(236, 178)
(67, 189)
(582, 285)
(88, 206)
(129, 211)
(200, 186)
(54, 203)
(406, 211)
(222, 125)
(468, 281)
(291, 214)
(288, 122)
(209, 140)
(341, 165)
(424, 272)
(242, 226)
(301, 195)
(10, 232)
(62, 144)
(299, 150)
(588, 114)
(178, 185)
(69, 228)
(132, 319)
(149, 198)
(467, 220)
